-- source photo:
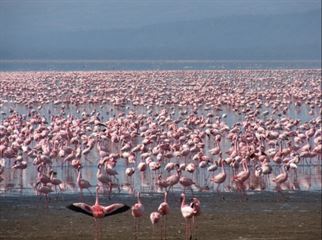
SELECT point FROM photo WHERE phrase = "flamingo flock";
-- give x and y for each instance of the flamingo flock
(159, 131)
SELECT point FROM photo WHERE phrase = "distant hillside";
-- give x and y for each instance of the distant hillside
(292, 36)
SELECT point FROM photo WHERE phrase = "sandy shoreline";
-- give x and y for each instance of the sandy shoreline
(260, 217)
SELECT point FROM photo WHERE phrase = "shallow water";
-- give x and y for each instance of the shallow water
(93, 65)
(305, 178)
(260, 217)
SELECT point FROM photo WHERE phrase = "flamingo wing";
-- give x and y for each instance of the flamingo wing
(115, 208)
(82, 208)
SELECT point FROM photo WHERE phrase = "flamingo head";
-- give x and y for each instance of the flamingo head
(79, 167)
(182, 196)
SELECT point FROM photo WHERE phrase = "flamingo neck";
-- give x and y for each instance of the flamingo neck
(139, 200)
(236, 145)
(97, 199)
(223, 167)
(79, 176)
(99, 170)
(183, 201)
(244, 165)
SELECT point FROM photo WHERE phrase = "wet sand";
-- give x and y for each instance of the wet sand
(260, 217)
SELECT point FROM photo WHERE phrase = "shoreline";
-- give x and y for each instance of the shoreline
(260, 217)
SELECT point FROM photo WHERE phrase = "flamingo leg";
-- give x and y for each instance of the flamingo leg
(161, 232)
(96, 230)
(186, 230)
(90, 191)
(46, 201)
(81, 194)
(138, 226)
(191, 191)
(135, 229)
(165, 227)
(110, 191)
(152, 231)
(190, 230)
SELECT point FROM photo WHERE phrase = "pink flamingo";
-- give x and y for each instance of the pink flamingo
(43, 190)
(137, 211)
(55, 181)
(164, 210)
(161, 183)
(187, 212)
(196, 205)
(42, 177)
(82, 183)
(104, 180)
(220, 177)
(19, 164)
(241, 177)
(98, 211)
(186, 183)
(173, 179)
(155, 218)
(281, 178)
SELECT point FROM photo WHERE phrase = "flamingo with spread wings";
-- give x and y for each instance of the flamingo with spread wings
(97, 210)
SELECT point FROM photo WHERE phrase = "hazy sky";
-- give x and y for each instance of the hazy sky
(109, 14)
(160, 29)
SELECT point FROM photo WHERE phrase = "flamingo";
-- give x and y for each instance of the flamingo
(187, 212)
(241, 177)
(98, 211)
(281, 178)
(19, 164)
(137, 211)
(104, 180)
(220, 177)
(43, 190)
(42, 177)
(54, 180)
(82, 183)
(164, 210)
(173, 179)
(186, 182)
(161, 183)
(155, 218)
(196, 205)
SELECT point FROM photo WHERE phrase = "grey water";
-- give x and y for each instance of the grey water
(16, 182)
(140, 65)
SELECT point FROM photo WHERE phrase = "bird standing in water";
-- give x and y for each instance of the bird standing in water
(137, 212)
(188, 212)
(164, 210)
(98, 211)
